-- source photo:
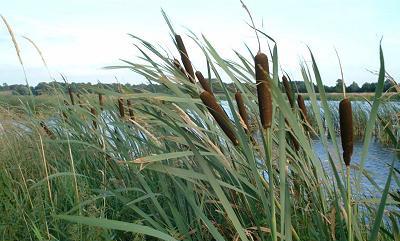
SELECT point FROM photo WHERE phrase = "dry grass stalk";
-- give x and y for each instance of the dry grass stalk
(219, 115)
(185, 57)
(263, 89)
(121, 107)
(94, 113)
(242, 109)
(129, 104)
(288, 90)
(204, 83)
(346, 129)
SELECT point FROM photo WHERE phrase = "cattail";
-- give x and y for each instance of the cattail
(219, 115)
(242, 109)
(79, 100)
(302, 107)
(94, 113)
(346, 129)
(203, 82)
(129, 104)
(71, 95)
(263, 89)
(47, 130)
(179, 66)
(185, 57)
(288, 90)
(101, 100)
(121, 107)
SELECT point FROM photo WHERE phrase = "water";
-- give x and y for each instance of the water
(376, 164)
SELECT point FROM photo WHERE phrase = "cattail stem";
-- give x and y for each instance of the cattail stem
(268, 139)
(185, 57)
(219, 115)
(129, 104)
(263, 89)
(179, 66)
(349, 210)
(203, 82)
(121, 107)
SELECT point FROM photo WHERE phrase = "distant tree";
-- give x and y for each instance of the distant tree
(339, 86)
(21, 90)
(353, 87)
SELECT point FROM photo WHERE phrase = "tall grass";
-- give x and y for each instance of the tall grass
(181, 169)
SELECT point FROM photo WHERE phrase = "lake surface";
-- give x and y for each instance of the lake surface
(376, 164)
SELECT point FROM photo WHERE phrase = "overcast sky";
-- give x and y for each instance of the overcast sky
(78, 38)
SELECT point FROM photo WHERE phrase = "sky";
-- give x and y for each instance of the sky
(78, 38)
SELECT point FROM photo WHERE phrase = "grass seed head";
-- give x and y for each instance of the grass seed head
(219, 115)
(346, 129)
(263, 89)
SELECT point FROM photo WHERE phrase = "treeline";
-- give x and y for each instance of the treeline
(55, 87)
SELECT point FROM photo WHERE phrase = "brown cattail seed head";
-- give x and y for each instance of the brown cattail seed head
(94, 113)
(203, 82)
(101, 101)
(184, 57)
(47, 130)
(179, 66)
(302, 107)
(219, 115)
(288, 90)
(263, 89)
(121, 107)
(71, 95)
(346, 129)
(129, 104)
(242, 109)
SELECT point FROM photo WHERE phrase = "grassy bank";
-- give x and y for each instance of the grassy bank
(172, 166)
